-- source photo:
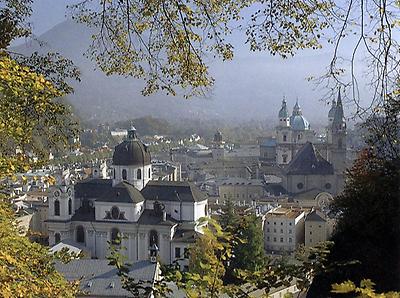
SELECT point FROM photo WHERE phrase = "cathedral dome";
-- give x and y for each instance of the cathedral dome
(131, 152)
(299, 122)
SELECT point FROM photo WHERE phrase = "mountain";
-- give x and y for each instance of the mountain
(249, 87)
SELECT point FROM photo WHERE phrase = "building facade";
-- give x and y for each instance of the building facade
(95, 213)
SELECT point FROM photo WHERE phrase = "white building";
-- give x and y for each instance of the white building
(95, 211)
(283, 229)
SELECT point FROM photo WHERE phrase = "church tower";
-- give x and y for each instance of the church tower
(218, 151)
(132, 162)
(283, 136)
(337, 138)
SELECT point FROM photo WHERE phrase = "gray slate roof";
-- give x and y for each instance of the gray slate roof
(131, 152)
(308, 161)
(315, 215)
(149, 217)
(123, 192)
(185, 236)
(100, 279)
(92, 187)
(173, 191)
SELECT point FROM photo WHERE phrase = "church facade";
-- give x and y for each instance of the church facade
(95, 213)
(307, 161)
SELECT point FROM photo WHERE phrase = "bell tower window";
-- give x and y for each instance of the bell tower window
(124, 175)
(69, 206)
(57, 208)
(139, 174)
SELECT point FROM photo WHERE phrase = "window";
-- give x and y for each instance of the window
(319, 226)
(115, 236)
(267, 222)
(149, 173)
(290, 231)
(206, 210)
(57, 208)
(267, 238)
(80, 234)
(114, 212)
(177, 252)
(282, 231)
(290, 223)
(281, 239)
(299, 137)
(57, 238)
(124, 174)
(224, 195)
(281, 223)
(267, 229)
(284, 138)
(274, 230)
(310, 240)
(274, 239)
(300, 185)
(114, 173)
(328, 186)
(310, 232)
(153, 238)
(69, 206)
(284, 158)
(274, 223)
(290, 240)
(139, 174)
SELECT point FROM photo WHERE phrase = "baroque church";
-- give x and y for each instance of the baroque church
(145, 213)
(308, 161)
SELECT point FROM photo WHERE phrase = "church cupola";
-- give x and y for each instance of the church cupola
(297, 109)
(284, 115)
(132, 162)
(132, 134)
(331, 113)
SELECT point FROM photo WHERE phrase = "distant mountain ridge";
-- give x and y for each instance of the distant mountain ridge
(244, 89)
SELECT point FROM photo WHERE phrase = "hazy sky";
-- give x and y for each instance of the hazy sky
(258, 76)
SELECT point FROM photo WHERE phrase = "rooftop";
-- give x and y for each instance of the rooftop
(101, 279)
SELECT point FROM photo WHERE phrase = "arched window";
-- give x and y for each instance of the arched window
(149, 173)
(115, 236)
(80, 234)
(124, 175)
(284, 138)
(139, 174)
(153, 238)
(69, 206)
(57, 208)
(57, 238)
(114, 173)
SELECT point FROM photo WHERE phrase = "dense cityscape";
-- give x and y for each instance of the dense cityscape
(116, 199)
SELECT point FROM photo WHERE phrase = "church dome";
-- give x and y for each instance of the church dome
(299, 122)
(131, 152)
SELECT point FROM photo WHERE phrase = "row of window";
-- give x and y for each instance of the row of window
(114, 237)
(281, 239)
(178, 254)
(138, 174)
(57, 207)
(275, 223)
(237, 196)
(275, 231)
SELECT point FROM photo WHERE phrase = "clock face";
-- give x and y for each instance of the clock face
(57, 193)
